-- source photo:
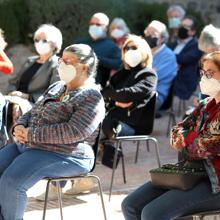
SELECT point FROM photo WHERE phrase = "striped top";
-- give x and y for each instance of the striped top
(60, 125)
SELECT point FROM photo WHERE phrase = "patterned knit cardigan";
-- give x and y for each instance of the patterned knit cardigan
(198, 137)
(59, 125)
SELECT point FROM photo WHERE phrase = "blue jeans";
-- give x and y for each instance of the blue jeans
(21, 168)
(151, 203)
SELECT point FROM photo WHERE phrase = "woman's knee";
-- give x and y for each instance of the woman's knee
(128, 208)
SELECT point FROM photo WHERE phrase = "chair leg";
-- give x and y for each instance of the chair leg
(157, 150)
(137, 151)
(113, 169)
(101, 195)
(59, 199)
(147, 145)
(46, 199)
(123, 164)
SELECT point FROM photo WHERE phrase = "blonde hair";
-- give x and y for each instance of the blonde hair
(214, 57)
(142, 46)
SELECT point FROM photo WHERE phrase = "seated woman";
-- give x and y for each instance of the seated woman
(118, 31)
(51, 144)
(198, 137)
(129, 90)
(38, 72)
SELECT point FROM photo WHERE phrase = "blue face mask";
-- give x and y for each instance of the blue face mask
(174, 22)
(96, 32)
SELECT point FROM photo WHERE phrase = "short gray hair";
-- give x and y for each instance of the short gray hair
(120, 23)
(53, 35)
(85, 55)
(161, 28)
(209, 38)
(177, 8)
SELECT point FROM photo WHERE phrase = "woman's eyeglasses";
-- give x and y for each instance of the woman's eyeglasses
(207, 73)
(127, 48)
(38, 40)
(67, 61)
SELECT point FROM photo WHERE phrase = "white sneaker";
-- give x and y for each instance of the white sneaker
(80, 186)
(52, 195)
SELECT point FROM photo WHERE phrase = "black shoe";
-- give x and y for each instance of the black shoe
(158, 115)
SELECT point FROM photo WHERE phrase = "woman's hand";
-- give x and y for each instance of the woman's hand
(19, 94)
(123, 104)
(21, 134)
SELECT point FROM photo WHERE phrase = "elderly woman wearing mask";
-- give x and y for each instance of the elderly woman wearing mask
(198, 136)
(39, 71)
(118, 31)
(49, 143)
(130, 89)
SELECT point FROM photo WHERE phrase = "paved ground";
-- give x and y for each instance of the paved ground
(89, 206)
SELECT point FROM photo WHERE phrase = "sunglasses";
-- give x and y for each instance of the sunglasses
(207, 73)
(36, 40)
(127, 48)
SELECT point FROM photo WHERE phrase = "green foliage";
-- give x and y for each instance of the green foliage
(14, 20)
(20, 18)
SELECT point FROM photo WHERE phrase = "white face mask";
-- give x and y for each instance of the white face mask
(42, 47)
(66, 72)
(96, 32)
(133, 57)
(117, 33)
(209, 86)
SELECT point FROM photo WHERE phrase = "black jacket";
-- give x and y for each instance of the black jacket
(187, 76)
(136, 85)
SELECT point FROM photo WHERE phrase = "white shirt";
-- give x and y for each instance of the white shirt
(181, 45)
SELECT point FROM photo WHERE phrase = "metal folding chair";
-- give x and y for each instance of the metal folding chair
(88, 175)
(136, 138)
(167, 108)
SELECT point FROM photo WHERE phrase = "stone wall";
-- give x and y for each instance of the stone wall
(209, 9)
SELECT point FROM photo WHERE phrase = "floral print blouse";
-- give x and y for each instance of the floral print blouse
(198, 137)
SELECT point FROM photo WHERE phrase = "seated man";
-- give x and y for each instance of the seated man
(164, 59)
(106, 50)
(188, 55)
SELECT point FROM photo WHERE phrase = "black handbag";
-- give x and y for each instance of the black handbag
(108, 155)
(183, 175)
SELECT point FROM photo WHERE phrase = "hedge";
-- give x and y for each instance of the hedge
(20, 18)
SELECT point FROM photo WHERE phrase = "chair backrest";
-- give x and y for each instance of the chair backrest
(149, 112)
(169, 100)
(96, 145)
